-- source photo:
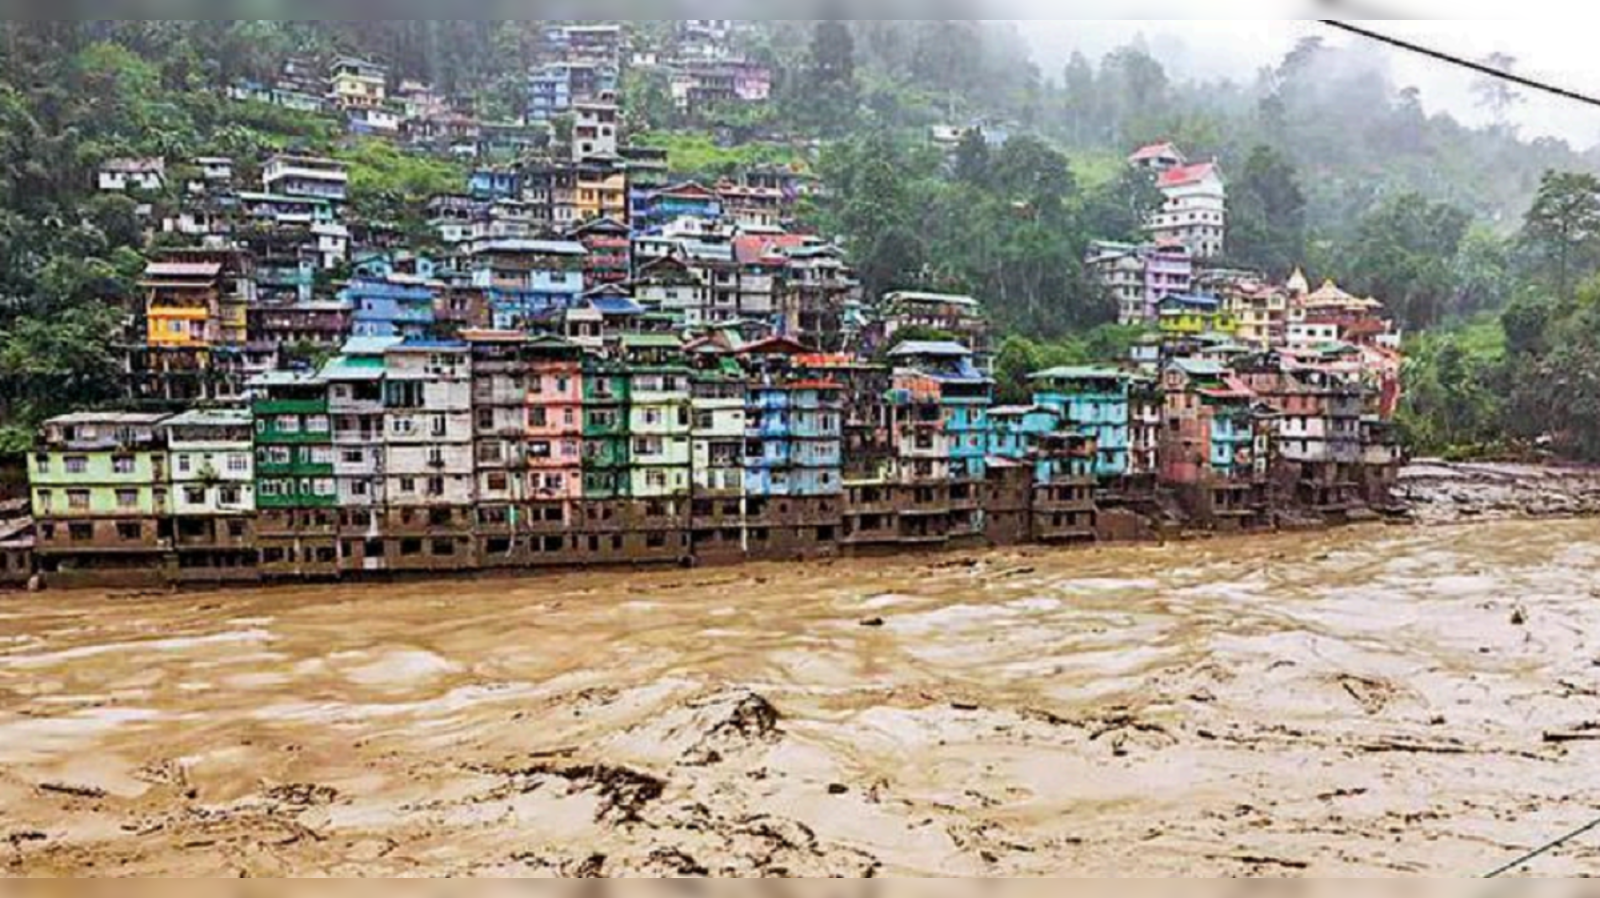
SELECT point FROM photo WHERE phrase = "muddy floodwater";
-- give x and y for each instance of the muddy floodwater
(1368, 702)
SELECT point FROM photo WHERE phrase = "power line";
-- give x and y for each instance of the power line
(1462, 62)
(1535, 855)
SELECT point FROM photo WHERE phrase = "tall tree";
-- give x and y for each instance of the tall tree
(1562, 230)
(1497, 95)
(1267, 218)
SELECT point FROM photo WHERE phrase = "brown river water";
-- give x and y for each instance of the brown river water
(1370, 702)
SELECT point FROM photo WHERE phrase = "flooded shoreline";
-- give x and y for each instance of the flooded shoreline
(1371, 701)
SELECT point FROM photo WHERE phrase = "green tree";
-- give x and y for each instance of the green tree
(972, 158)
(1562, 229)
(1267, 215)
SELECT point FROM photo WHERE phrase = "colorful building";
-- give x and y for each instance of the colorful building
(101, 497)
(296, 492)
(528, 279)
(1094, 404)
(212, 466)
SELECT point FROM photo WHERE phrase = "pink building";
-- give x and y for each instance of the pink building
(555, 424)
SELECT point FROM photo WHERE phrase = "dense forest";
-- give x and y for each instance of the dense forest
(1482, 243)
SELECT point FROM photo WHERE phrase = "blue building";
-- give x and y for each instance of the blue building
(669, 204)
(793, 439)
(397, 306)
(549, 92)
(495, 184)
(940, 407)
(527, 280)
(1094, 403)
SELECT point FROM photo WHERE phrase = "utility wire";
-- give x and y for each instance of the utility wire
(1491, 72)
(1535, 855)
(1462, 62)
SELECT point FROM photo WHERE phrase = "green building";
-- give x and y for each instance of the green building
(606, 406)
(297, 494)
(294, 442)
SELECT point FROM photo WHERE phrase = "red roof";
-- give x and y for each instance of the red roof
(1187, 174)
(776, 346)
(1153, 151)
(754, 248)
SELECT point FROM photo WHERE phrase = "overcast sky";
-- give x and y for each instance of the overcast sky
(1237, 48)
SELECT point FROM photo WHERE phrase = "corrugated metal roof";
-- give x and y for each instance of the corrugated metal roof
(919, 347)
(183, 269)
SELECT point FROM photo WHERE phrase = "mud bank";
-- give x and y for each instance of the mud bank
(1368, 701)
(1441, 493)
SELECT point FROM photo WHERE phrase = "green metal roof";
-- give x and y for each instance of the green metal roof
(651, 341)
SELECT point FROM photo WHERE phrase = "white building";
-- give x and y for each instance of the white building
(120, 175)
(595, 130)
(428, 425)
(213, 463)
(1195, 213)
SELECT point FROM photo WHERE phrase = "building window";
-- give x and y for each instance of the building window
(229, 495)
(183, 464)
(44, 500)
(435, 486)
(41, 463)
(288, 424)
(127, 498)
(129, 532)
(77, 464)
(238, 463)
(317, 424)
(496, 482)
(408, 484)
(325, 487)
(194, 495)
(123, 464)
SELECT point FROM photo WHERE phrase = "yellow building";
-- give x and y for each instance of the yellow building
(1194, 315)
(358, 84)
(182, 304)
(602, 192)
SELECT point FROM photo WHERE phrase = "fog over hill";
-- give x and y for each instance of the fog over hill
(1236, 49)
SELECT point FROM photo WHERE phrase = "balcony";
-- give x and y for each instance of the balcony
(769, 429)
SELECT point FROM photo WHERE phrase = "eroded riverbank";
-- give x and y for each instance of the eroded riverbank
(1365, 702)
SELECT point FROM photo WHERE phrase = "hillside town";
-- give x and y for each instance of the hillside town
(606, 366)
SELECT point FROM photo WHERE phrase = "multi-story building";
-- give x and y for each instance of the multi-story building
(1139, 277)
(123, 175)
(819, 289)
(602, 190)
(668, 286)
(555, 429)
(940, 423)
(321, 325)
(647, 174)
(659, 426)
(485, 184)
(688, 200)
(606, 414)
(1195, 213)
(355, 383)
(391, 304)
(297, 495)
(101, 498)
(528, 279)
(717, 434)
(609, 259)
(1189, 315)
(212, 466)
(960, 316)
(306, 177)
(429, 472)
(1094, 404)
(195, 323)
(596, 130)
(358, 84)
(553, 88)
